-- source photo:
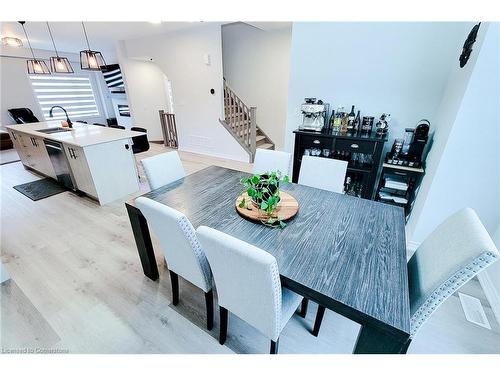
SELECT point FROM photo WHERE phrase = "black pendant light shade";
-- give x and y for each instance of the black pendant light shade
(35, 66)
(58, 64)
(90, 60)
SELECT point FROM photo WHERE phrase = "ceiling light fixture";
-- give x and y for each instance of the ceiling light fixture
(90, 60)
(58, 64)
(35, 66)
(12, 42)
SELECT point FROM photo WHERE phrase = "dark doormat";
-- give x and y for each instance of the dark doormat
(40, 189)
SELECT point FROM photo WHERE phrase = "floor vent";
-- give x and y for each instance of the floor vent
(474, 311)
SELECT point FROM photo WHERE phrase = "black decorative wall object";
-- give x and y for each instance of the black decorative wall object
(469, 42)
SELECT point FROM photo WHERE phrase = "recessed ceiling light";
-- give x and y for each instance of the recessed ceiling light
(12, 42)
(155, 22)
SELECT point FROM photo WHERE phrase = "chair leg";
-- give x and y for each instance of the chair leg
(303, 307)
(274, 346)
(223, 325)
(209, 302)
(174, 280)
(319, 319)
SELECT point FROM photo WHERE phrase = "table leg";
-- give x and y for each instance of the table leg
(143, 241)
(372, 340)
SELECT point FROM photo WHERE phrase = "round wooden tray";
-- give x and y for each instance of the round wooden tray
(287, 208)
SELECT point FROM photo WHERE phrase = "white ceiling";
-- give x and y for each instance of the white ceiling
(103, 36)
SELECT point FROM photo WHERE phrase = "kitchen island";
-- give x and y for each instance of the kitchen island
(95, 160)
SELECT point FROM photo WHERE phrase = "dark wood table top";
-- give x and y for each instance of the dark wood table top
(350, 251)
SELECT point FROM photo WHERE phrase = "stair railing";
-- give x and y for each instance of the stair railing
(169, 129)
(241, 120)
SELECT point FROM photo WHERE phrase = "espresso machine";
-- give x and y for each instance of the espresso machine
(409, 152)
(313, 115)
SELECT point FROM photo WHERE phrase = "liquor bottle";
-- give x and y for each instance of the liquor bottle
(350, 120)
(357, 123)
(338, 119)
(347, 185)
(343, 123)
(332, 119)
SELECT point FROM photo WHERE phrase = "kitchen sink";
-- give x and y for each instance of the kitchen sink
(53, 130)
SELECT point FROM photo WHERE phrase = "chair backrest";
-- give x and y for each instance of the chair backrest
(141, 143)
(456, 251)
(116, 126)
(163, 169)
(271, 160)
(22, 115)
(178, 241)
(323, 173)
(247, 280)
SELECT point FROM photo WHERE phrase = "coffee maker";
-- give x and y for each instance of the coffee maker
(313, 115)
(410, 151)
(420, 138)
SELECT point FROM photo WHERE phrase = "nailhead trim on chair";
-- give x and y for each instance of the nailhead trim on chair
(448, 288)
(190, 234)
(277, 296)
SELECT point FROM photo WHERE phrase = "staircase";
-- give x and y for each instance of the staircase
(241, 121)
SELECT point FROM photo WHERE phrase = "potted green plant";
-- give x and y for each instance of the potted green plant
(264, 192)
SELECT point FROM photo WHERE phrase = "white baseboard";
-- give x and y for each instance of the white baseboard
(491, 293)
(4, 275)
(214, 154)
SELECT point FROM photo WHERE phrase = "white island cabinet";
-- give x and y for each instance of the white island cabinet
(100, 159)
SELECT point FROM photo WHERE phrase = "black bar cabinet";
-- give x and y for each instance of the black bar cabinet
(363, 152)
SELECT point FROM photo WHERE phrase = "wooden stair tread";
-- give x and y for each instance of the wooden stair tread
(266, 146)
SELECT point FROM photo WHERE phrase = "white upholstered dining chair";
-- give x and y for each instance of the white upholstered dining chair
(456, 251)
(163, 169)
(323, 173)
(271, 160)
(181, 248)
(248, 285)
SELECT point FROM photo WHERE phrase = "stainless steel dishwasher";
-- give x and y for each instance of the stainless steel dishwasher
(60, 163)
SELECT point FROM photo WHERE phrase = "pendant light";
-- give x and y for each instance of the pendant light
(58, 64)
(35, 66)
(90, 60)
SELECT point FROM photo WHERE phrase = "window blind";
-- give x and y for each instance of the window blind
(75, 93)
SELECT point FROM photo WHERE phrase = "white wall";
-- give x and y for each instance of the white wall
(180, 56)
(16, 90)
(399, 68)
(257, 66)
(146, 95)
(469, 168)
(449, 106)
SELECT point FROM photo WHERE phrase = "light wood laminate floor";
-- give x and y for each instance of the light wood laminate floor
(77, 286)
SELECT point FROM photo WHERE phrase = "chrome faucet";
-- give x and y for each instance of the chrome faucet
(70, 124)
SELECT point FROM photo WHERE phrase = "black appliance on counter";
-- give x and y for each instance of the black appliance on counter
(410, 151)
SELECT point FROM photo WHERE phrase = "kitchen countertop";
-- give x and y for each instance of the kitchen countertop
(81, 135)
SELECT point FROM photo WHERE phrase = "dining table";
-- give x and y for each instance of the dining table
(345, 253)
